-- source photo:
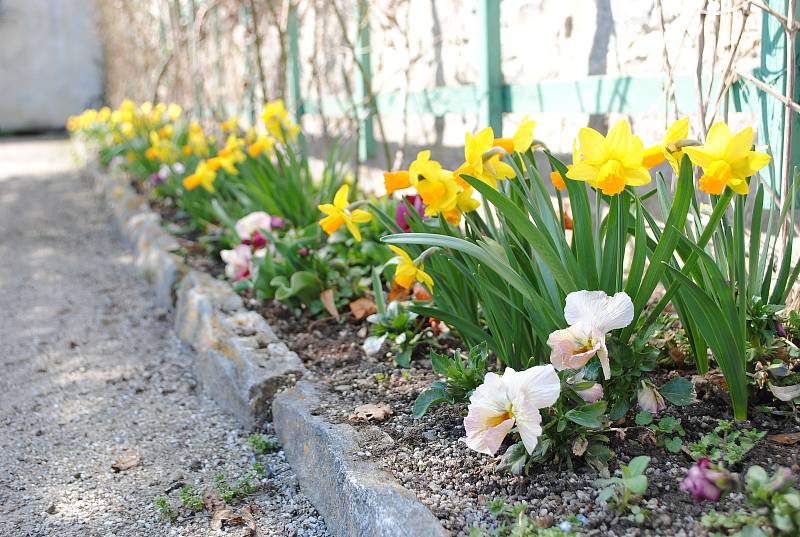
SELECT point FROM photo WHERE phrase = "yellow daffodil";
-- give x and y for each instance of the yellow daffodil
(408, 272)
(174, 111)
(231, 125)
(669, 148)
(225, 163)
(150, 153)
(394, 181)
(609, 163)
(262, 144)
(465, 203)
(203, 176)
(522, 140)
(482, 161)
(278, 122)
(339, 213)
(197, 140)
(727, 159)
(439, 192)
(233, 149)
(166, 131)
(423, 167)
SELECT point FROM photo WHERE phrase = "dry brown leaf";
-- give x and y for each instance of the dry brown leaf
(328, 301)
(397, 293)
(361, 307)
(788, 439)
(250, 520)
(372, 412)
(127, 462)
(225, 514)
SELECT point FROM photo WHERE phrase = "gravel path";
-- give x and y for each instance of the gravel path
(90, 372)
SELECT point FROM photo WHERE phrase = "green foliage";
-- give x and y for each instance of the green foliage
(667, 431)
(190, 499)
(504, 278)
(777, 505)
(462, 376)
(165, 510)
(305, 262)
(263, 444)
(402, 328)
(724, 444)
(623, 493)
(230, 491)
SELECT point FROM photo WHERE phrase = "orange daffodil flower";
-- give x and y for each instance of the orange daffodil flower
(408, 270)
(394, 181)
(339, 213)
(727, 159)
(609, 163)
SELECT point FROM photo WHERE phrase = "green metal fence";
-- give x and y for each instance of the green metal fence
(490, 98)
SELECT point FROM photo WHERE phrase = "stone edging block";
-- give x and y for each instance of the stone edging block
(239, 361)
(355, 497)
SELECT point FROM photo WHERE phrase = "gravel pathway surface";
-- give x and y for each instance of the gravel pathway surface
(91, 372)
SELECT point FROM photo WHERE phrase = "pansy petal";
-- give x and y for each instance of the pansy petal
(529, 425)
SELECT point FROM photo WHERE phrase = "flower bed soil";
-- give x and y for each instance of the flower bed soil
(456, 483)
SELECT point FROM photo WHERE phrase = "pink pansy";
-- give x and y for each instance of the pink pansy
(237, 262)
(513, 399)
(591, 315)
(252, 223)
(706, 482)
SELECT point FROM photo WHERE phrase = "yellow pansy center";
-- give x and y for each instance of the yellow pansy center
(611, 179)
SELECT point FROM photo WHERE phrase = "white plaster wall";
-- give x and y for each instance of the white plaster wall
(50, 62)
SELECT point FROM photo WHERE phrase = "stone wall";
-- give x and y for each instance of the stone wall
(209, 57)
(50, 63)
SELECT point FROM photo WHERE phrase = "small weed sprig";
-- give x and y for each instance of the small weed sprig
(623, 493)
(667, 431)
(725, 444)
(513, 521)
(263, 444)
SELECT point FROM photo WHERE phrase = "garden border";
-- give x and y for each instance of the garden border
(243, 366)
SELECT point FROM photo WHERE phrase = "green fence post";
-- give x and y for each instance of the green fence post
(366, 138)
(773, 71)
(491, 76)
(294, 64)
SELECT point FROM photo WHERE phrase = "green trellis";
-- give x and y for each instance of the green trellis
(491, 98)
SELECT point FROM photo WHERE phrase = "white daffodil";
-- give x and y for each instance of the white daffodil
(253, 222)
(591, 315)
(237, 262)
(502, 402)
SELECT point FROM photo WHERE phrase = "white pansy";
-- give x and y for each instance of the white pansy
(251, 223)
(513, 399)
(237, 262)
(591, 315)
